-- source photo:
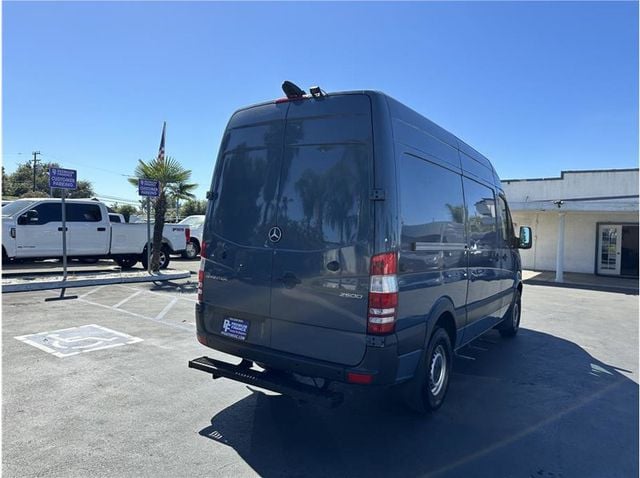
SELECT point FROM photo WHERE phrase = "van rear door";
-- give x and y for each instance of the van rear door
(238, 257)
(324, 230)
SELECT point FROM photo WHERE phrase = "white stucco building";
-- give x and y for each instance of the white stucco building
(582, 221)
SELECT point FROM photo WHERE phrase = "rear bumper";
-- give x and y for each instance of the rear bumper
(381, 362)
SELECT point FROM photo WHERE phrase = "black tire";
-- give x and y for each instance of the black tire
(511, 324)
(427, 390)
(165, 257)
(192, 251)
(88, 260)
(126, 263)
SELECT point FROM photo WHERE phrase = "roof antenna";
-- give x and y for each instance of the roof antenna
(292, 90)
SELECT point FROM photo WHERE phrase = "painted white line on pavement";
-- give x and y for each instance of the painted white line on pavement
(123, 301)
(167, 308)
(140, 316)
(92, 291)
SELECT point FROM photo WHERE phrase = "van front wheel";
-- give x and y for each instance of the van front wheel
(426, 391)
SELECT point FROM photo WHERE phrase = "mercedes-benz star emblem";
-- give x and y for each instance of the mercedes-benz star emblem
(275, 234)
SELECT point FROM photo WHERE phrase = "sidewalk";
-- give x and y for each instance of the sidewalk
(582, 281)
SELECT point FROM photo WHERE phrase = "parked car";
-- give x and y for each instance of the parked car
(32, 228)
(195, 223)
(115, 217)
(350, 239)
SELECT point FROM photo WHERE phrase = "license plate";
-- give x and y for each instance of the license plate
(235, 328)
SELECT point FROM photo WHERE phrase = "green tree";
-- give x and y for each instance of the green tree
(167, 172)
(194, 207)
(20, 183)
(181, 191)
(125, 209)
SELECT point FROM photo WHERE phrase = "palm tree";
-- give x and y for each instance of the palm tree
(181, 191)
(168, 172)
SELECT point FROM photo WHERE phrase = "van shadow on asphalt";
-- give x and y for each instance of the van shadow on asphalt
(534, 406)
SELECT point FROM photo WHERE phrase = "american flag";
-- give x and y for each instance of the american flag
(161, 150)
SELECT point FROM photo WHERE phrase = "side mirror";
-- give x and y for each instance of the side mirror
(525, 240)
(27, 217)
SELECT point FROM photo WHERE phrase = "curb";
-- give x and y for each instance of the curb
(31, 286)
(577, 285)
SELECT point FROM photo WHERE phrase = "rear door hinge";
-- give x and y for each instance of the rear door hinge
(376, 195)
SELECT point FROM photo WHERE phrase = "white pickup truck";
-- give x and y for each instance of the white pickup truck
(196, 224)
(32, 229)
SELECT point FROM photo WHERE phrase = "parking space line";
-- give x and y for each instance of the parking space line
(167, 308)
(162, 294)
(92, 291)
(140, 316)
(123, 301)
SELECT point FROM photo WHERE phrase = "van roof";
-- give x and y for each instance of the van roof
(405, 113)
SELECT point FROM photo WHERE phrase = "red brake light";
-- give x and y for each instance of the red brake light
(384, 264)
(187, 234)
(361, 378)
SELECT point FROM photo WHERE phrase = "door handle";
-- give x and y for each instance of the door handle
(102, 229)
(60, 229)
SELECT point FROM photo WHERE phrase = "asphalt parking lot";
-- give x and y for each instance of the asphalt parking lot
(560, 400)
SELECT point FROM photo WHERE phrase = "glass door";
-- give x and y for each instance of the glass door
(609, 247)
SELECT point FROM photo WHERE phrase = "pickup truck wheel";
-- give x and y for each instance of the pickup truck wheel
(511, 323)
(427, 390)
(192, 250)
(165, 258)
(126, 263)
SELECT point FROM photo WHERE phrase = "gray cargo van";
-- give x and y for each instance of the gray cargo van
(350, 239)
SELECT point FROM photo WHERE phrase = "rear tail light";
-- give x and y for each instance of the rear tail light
(201, 271)
(200, 280)
(383, 294)
(187, 234)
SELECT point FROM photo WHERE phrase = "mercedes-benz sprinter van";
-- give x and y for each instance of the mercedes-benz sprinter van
(350, 239)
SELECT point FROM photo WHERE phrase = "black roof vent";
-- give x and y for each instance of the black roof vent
(292, 90)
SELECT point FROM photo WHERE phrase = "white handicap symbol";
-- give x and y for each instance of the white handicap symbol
(57, 341)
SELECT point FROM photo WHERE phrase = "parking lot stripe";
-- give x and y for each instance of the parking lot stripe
(167, 308)
(127, 299)
(170, 324)
(91, 291)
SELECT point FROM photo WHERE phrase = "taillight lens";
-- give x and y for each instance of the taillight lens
(187, 234)
(200, 280)
(383, 294)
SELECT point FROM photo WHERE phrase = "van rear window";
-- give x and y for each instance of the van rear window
(244, 210)
(325, 195)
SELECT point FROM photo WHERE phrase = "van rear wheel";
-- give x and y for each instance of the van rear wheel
(427, 390)
(511, 323)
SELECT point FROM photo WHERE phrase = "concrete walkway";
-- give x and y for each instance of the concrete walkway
(582, 281)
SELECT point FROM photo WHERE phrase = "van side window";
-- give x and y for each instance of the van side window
(83, 213)
(432, 205)
(47, 212)
(506, 227)
(481, 213)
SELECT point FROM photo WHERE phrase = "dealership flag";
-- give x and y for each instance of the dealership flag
(161, 150)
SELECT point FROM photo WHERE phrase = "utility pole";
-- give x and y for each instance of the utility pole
(35, 161)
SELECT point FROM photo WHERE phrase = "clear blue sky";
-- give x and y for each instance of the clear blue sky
(536, 87)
